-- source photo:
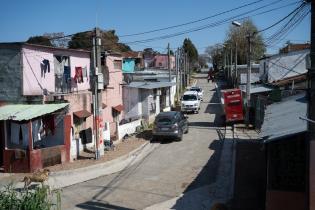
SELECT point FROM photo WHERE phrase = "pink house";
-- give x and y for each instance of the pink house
(34, 75)
(161, 61)
(112, 96)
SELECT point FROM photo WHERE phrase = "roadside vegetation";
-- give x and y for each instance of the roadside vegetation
(39, 198)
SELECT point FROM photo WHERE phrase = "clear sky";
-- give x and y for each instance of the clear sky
(20, 19)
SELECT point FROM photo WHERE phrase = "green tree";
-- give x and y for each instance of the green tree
(191, 50)
(238, 35)
(110, 41)
(40, 40)
(215, 53)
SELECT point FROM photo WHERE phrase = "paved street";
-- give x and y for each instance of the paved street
(171, 169)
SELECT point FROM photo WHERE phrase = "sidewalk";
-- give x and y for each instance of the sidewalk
(64, 175)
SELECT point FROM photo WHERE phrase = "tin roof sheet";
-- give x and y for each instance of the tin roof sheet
(283, 119)
(20, 112)
(150, 85)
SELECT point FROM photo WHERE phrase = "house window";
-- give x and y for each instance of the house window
(117, 64)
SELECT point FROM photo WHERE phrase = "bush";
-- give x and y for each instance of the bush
(38, 199)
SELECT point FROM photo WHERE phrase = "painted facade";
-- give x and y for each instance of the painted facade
(129, 65)
(112, 95)
(161, 61)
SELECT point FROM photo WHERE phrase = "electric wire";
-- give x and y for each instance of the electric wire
(194, 21)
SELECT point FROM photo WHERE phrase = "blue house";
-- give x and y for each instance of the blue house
(128, 65)
(132, 61)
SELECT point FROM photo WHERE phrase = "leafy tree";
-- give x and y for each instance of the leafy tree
(58, 39)
(40, 40)
(215, 53)
(203, 59)
(109, 39)
(238, 35)
(191, 50)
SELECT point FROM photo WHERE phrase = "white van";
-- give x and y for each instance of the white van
(190, 102)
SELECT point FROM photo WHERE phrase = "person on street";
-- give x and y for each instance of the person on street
(210, 76)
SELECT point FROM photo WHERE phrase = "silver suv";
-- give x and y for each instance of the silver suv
(190, 102)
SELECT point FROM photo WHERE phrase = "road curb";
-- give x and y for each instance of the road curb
(67, 178)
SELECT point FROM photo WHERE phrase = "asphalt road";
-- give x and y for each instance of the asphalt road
(170, 169)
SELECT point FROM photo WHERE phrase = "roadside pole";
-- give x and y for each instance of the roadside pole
(169, 74)
(177, 71)
(311, 114)
(231, 70)
(96, 65)
(235, 66)
(249, 69)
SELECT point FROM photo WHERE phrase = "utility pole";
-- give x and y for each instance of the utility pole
(311, 113)
(96, 66)
(169, 73)
(235, 66)
(180, 60)
(249, 69)
(177, 71)
(184, 68)
(231, 70)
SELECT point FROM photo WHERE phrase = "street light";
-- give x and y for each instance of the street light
(236, 24)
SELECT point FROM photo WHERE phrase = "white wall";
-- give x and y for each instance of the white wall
(128, 128)
(283, 66)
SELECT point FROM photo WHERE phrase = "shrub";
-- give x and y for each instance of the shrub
(39, 198)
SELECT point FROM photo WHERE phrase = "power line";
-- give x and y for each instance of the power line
(192, 22)
(239, 16)
(282, 19)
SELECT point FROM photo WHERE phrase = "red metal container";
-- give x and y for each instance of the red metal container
(232, 105)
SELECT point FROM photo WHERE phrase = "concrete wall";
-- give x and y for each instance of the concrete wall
(132, 103)
(34, 81)
(10, 73)
(128, 128)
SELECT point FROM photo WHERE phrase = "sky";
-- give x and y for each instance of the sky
(20, 19)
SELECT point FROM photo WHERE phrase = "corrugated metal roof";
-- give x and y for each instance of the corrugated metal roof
(19, 112)
(254, 77)
(150, 85)
(256, 89)
(283, 119)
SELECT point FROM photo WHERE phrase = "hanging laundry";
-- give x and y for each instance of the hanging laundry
(85, 72)
(49, 124)
(45, 67)
(67, 74)
(78, 77)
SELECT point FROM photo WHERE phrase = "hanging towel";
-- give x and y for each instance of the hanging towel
(67, 74)
(85, 72)
(78, 77)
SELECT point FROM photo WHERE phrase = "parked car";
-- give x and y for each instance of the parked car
(199, 91)
(190, 102)
(170, 124)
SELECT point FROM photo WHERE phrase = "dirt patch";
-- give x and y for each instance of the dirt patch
(87, 158)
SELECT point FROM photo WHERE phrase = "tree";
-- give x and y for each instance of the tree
(191, 50)
(40, 40)
(203, 59)
(238, 35)
(58, 39)
(110, 41)
(215, 53)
